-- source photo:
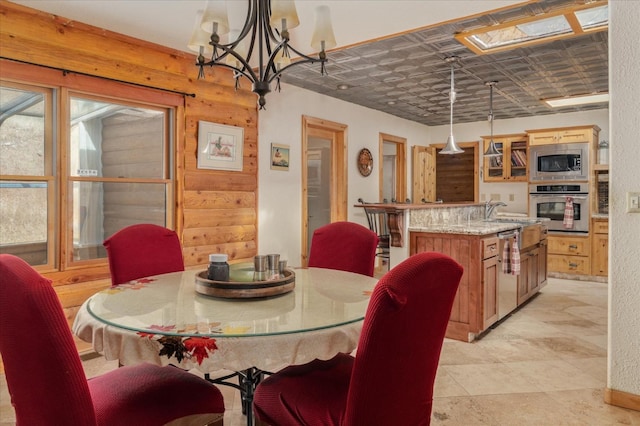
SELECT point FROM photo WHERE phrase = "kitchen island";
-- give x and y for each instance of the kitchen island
(470, 234)
(486, 293)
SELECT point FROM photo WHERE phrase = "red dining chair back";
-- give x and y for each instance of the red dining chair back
(46, 380)
(143, 250)
(345, 246)
(390, 381)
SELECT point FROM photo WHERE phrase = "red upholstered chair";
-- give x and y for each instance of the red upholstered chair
(390, 380)
(47, 383)
(345, 246)
(142, 250)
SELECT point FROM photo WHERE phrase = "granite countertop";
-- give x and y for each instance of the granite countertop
(480, 227)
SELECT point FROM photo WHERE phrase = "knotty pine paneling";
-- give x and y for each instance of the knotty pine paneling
(222, 212)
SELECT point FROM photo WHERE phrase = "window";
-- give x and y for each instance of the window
(109, 169)
(27, 184)
(567, 22)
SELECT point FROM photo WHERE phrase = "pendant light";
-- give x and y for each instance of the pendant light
(492, 150)
(451, 147)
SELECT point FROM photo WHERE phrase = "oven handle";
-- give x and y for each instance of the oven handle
(507, 235)
(577, 197)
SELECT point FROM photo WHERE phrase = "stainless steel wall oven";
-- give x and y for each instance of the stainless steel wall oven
(549, 201)
(569, 161)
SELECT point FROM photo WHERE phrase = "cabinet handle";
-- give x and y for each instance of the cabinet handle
(573, 246)
(573, 265)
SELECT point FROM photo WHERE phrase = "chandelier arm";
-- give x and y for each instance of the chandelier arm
(246, 69)
(297, 62)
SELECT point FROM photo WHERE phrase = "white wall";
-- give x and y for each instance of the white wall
(279, 192)
(624, 228)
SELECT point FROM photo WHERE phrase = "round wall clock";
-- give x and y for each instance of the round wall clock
(365, 162)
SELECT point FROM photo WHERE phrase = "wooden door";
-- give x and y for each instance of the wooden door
(335, 135)
(424, 173)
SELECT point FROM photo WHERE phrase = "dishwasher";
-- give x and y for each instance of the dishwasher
(507, 283)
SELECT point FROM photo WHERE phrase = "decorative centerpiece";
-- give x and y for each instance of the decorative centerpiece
(242, 284)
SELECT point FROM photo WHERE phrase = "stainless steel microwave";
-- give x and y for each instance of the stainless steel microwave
(566, 162)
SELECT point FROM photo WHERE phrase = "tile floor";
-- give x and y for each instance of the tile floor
(544, 365)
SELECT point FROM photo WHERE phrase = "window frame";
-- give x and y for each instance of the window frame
(49, 173)
(62, 84)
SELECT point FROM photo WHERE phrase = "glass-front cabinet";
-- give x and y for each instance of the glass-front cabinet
(512, 165)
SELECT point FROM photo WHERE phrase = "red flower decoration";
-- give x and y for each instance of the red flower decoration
(200, 347)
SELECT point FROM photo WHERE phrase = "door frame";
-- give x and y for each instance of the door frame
(401, 165)
(338, 189)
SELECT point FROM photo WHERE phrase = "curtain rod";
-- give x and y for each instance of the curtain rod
(65, 72)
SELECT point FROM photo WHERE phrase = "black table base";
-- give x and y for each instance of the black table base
(248, 380)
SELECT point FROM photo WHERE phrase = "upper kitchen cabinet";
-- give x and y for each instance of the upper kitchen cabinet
(564, 135)
(511, 166)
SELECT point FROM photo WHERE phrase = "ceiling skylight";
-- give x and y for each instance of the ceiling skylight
(569, 22)
(577, 100)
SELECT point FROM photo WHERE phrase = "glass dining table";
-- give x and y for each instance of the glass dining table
(164, 320)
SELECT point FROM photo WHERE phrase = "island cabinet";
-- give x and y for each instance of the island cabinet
(600, 248)
(533, 263)
(528, 280)
(569, 254)
(475, 307)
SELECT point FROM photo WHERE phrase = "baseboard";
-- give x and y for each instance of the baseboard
(622, 399)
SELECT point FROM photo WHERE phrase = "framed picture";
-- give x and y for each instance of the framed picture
(220, 146)
(279, 157)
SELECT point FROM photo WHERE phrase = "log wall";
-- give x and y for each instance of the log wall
(215, 211)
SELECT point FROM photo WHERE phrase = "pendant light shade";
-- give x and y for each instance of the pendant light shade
(492, 150)
(451, 147)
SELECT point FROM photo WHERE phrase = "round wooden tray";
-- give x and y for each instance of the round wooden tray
(244, 289)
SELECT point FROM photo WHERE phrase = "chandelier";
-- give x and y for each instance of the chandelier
(266, 33)
(451, 147)
(492, 150)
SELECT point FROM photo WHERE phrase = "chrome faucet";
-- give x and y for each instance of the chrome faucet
(489, 208)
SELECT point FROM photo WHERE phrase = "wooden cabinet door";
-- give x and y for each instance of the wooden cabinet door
(533, 272)
(524, 287)
(512, 165)
(543, 138)
(600, 255)
(490, 294)
(542, 264)
(575, 135)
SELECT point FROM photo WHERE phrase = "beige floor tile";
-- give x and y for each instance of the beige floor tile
(489, 379)
(454, 352)
(597, 314)
(446, 386)
(518, 350)
(554, 375)
(599, 341)
(595, 367)
(525, 409)
(569, 347)
(579, 327)
(459, 411)
(588, 406)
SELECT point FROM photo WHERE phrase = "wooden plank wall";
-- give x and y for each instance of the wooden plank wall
(215, 211)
